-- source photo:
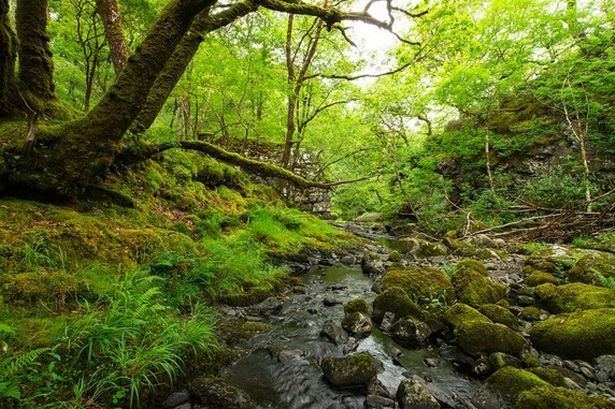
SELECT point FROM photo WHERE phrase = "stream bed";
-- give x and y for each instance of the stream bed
(282, 370)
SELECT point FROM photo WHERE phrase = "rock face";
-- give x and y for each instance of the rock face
(396, 301)
(351, 370)
(474, 287)
(216, 393)
(410, 332)
(577, 335)
(422, 283)
(412, 394)
(477, 336)
(572, 297)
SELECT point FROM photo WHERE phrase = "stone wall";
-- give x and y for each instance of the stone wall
(307, 164)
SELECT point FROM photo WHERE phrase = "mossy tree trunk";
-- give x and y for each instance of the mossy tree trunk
(204, 23)
(35, 58)
(109, 11)
(8, 56)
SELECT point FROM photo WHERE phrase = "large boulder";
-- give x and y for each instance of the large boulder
(474, 287)
(356, 305)
(421, 248)
(572, 297)
(412, 394)
(538, 277)
(503, 387)
(546, 397)
(577, 335)
(410, 332)
(590, 267)
(396, 301)
(499, 315)
(419, 283)
(351, 370)
(460, 313)
(478, 336)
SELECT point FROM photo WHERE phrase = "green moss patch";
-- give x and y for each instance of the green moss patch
(499, 315)
(572, 297)
(577, 335)
(546, 397)
(421, 284)
(474, 287)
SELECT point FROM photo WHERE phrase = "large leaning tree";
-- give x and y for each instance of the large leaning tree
(46, 148)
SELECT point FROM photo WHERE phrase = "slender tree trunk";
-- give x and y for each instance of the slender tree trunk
(584, 159)
(488, 161)
(35, 62)
(176, 65)
(8, 56)
(109, 11)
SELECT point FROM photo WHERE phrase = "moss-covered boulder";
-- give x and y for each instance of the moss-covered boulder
(547, 397)
(420, 283)
(473, 286)
(477, 336)
(503, 387)
(220, 394)
(578, 335)
(356, 305)
(530, 313)
(499, 314)
(590, 267)
(396, 301)
(351, 370)
(410, 332)
(421, 248)
(461, 313)
(556, 375)
(538, 277)
(357, 323)
(572, 297)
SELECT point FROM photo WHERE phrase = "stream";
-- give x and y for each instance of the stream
(282, 370)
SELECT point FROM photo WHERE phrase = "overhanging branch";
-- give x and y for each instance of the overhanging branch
(263, 169)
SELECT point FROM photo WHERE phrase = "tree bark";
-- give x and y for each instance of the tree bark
(8, 56)
(35, 62)
(109, 11)
(183, 54)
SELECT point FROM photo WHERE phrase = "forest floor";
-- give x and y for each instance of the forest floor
(209, 281)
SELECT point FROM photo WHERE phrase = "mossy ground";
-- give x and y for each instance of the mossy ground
(203, 228)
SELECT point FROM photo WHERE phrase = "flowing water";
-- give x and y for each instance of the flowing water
(282, 370)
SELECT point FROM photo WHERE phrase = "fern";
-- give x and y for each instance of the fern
(11, 368)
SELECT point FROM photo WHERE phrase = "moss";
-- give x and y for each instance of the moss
(57, 290)
(577, 335)
(479, 336)
(471, 264)
(509, 382)
(475, 288)
(546, 397)
(394, 300)
(590, 267)
(537, 278)
(351, 370)
(421, 248)
(530, 313)
(395, 256)
(420, 283)
(356, 305)
(553, 376)
(233, 332)
(500, 315)
(572, 297)
(460, 313)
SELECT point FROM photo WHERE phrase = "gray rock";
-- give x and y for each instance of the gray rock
(412, 394)
(336, 406)
(176, 399)
(330, 301)
(217, 393)
(335, 333)
(379, 402)
(348, 260)
(605, 368)
(410, 332)
(351, 370)
(357, 324)
(431, 362)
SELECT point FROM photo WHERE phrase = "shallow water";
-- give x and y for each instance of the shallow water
(282, 370)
